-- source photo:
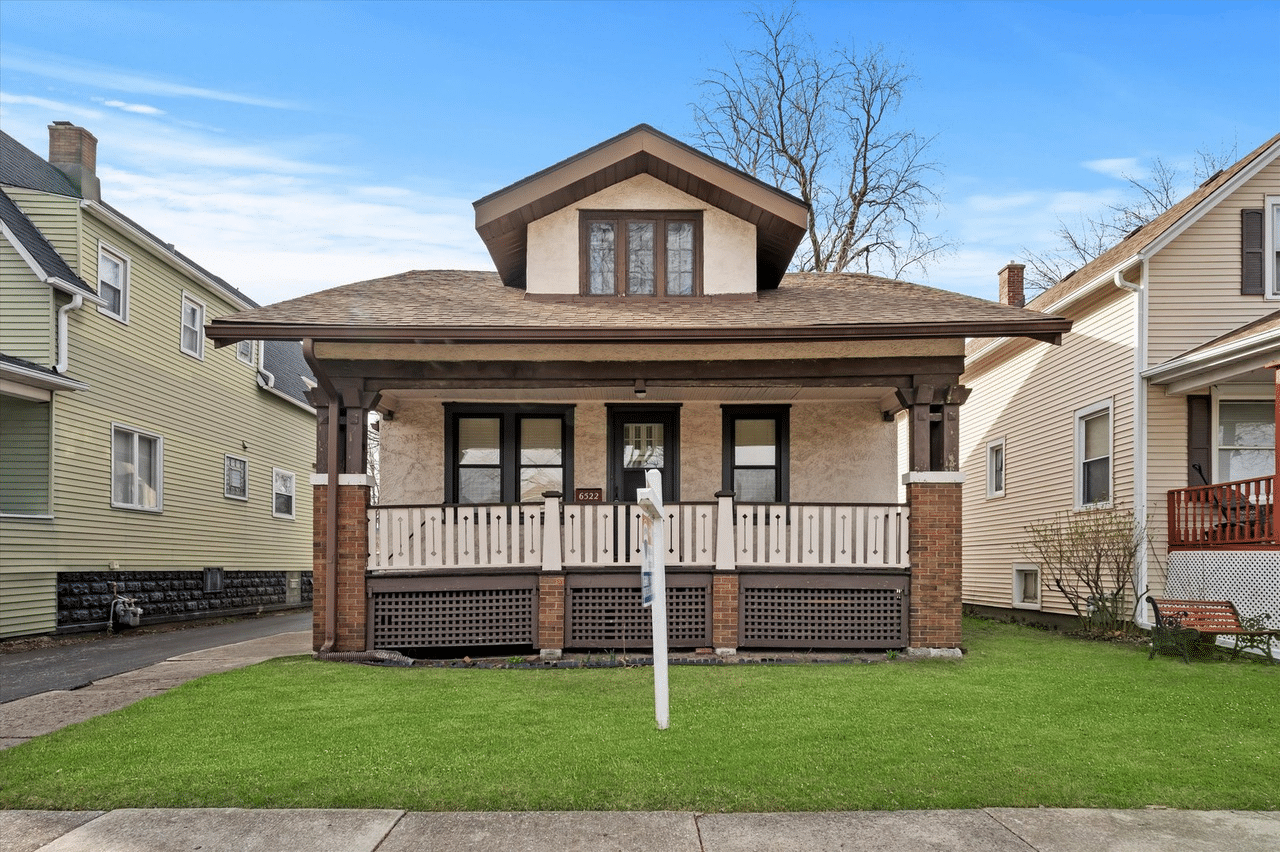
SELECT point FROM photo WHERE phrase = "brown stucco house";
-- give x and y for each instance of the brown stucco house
(640, 317)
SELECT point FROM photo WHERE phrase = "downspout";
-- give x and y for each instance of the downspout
(331, 502)
(77, 301)
(1139, 431)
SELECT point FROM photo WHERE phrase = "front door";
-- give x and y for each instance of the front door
(642, 438)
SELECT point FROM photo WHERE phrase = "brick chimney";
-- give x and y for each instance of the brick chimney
(74, 152)
(1011, 285)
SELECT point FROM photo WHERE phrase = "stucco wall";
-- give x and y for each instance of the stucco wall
(729, 243)
(839, 452)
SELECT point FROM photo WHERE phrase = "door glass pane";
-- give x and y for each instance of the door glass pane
(679, 258)
(642, 445)
(755, 485)
(640, 258)
(601, 259)
(540, 441)
(478, 440)
(754, 443)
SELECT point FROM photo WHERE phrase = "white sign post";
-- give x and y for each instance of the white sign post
(653, 581)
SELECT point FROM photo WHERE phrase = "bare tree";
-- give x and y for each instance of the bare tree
(1147, 197)
(823, 125)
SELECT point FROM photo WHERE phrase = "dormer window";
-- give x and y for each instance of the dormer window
(641, 253)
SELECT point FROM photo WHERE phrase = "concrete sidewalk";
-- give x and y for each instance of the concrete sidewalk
(987, 830)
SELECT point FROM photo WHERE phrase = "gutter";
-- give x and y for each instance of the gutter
(331, 502)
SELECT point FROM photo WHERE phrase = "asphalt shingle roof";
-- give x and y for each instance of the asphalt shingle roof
(34, 242)
(20, 166)
(283, 360)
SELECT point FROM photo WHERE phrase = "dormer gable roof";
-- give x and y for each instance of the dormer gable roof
(503, 217)
(38, 253)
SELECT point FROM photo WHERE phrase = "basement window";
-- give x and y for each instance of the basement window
(1026, 586)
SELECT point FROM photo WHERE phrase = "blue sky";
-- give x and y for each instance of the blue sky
(293, 146)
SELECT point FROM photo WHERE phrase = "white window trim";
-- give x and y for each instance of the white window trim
(125, 275)
(1020, 568)
(159, 507)
(992, 490)
(254, 350)
(226, 492)
(1081, 415)
(1270, 236)
(294, 504)
(198, 353)
(1259, 393)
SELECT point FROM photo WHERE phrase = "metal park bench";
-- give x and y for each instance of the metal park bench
(1181, 624)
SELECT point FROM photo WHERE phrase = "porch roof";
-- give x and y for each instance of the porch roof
(1253, 346)
(470, 306)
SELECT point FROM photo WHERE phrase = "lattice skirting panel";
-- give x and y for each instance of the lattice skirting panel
(1248, 578)
(604, 611)
(823, 611)
(453, 612)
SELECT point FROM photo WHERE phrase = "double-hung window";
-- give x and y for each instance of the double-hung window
(1246, 440)
(113, 283)
(507, 454)
(283, 485)
(756, 459)
(136, 469)
(1093, 455)
(641, 253)
(192, 341)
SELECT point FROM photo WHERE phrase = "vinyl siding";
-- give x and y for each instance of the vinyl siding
(59, 219)
(25, 440)
(26, 310)
(202, 409)
(1201, 268)
(27, 603)
(1028, 396)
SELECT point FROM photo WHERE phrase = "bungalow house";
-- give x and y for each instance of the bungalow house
(1162, 399)
(640, 318)
(133, 457)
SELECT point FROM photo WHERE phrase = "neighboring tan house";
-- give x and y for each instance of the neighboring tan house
(133, 456)
(639, 319)
(1164, 386)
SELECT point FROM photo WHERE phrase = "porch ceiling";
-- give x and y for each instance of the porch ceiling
(393, 398)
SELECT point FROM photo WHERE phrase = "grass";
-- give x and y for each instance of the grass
(1027, 718)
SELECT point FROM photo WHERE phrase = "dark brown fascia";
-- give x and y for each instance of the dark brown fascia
(1047, 330)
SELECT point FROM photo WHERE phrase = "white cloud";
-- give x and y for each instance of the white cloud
(99, 76)
(1120, 168)
(140, 109)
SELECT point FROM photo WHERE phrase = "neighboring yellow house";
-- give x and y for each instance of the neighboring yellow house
(1161, 389)
(639, 318)
(134, 457)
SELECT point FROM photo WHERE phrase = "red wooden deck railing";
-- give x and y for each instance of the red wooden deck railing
(1238, 514)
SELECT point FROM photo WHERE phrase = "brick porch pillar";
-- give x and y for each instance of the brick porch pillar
(551, 615)
(724, 613)
(935, 500)
(353, 558)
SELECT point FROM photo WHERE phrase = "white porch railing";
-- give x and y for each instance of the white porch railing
(721, 534)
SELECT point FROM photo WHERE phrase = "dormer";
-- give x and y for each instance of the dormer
(641, 216)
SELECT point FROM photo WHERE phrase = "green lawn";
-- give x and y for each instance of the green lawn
(1027, 718)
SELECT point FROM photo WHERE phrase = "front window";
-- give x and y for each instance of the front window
(235, 477)
(113, 283)
(641, 253)
(26, 453)
(755, 452)
(1246, 439)
(192, 327)
(1093, 455)
(136, 469)
(282, 493)
(507, 455)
